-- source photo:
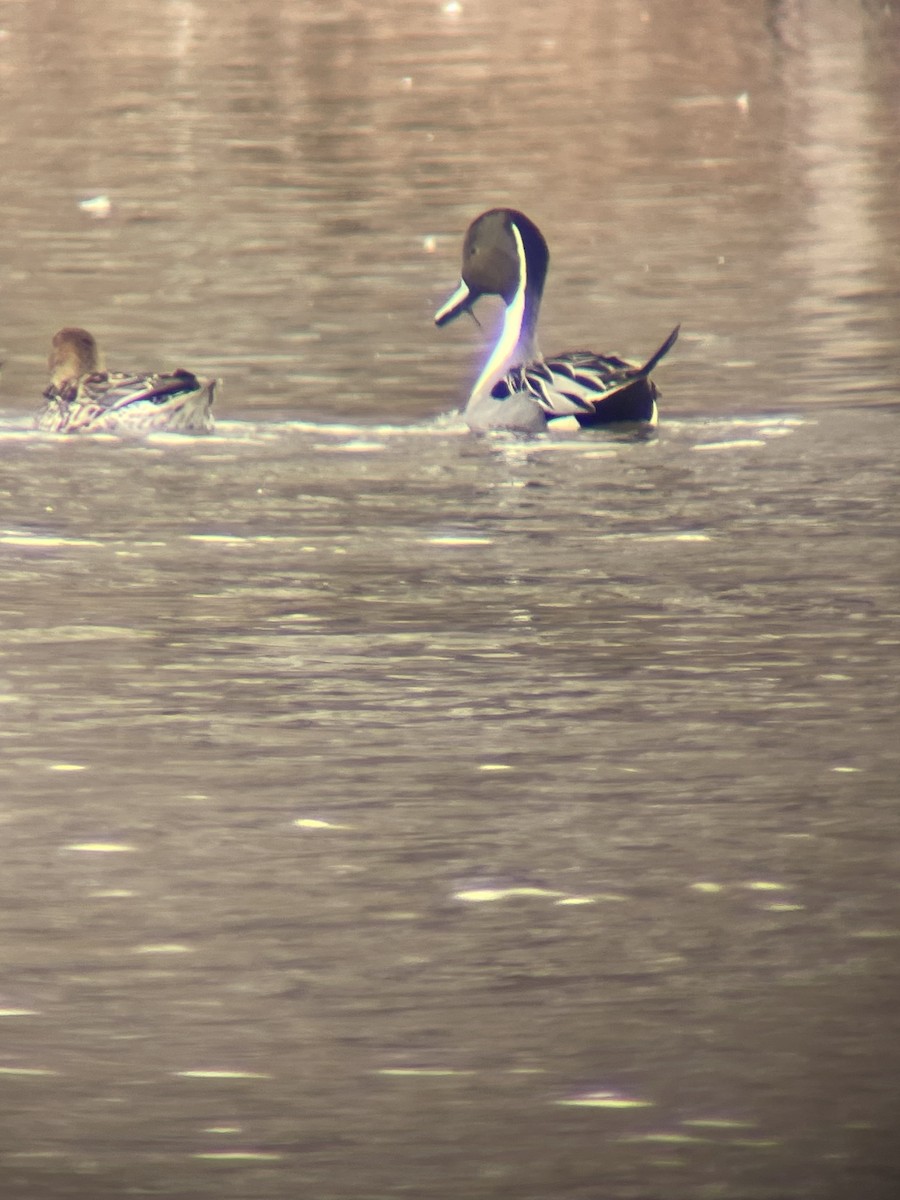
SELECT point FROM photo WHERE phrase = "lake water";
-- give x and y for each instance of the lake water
(392, 813)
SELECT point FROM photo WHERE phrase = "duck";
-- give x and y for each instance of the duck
(83, 397)
(519, 390)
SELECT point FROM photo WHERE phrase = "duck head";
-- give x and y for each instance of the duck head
(504, 254)
(73, 353)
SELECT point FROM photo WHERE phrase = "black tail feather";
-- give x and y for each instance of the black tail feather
(660, 354)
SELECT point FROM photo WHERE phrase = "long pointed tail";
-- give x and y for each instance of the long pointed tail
(644, 371)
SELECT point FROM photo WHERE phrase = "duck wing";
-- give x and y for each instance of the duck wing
(115, 402)
(112, 391)
(595, 388)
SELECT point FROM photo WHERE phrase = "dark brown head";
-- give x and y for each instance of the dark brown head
(73, 353)
(502, 248)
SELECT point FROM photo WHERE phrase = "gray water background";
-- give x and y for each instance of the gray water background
(387, 812)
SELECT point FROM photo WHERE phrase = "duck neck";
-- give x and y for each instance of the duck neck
(517, 342)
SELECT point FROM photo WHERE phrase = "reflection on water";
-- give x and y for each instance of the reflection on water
(388, 812)
(384, 809)
(288, 187)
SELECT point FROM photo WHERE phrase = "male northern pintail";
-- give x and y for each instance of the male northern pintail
(82, 397)
(504, 254)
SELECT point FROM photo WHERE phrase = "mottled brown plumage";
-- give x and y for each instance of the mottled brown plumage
(83, 397)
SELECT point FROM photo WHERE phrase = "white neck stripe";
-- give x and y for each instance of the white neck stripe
(502, 355)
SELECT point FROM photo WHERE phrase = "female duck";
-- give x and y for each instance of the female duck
(504, 254)
(82, 397)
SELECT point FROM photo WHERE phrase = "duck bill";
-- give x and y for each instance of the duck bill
(461, 301)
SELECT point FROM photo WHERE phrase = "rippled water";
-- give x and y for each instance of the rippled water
(388, 812)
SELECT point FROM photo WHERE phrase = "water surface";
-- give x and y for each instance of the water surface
(388, 812)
